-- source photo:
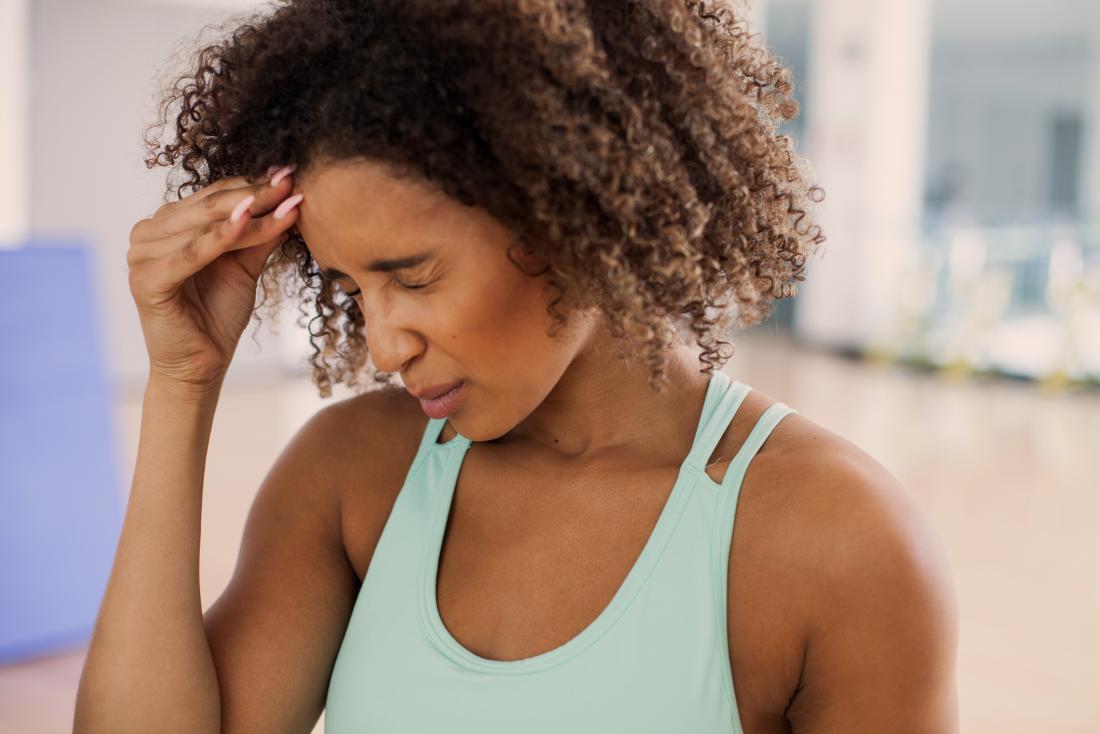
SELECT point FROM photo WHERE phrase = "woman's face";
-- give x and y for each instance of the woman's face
(458, 309)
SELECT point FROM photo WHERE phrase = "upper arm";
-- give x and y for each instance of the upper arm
(275, 630)
(881, 647)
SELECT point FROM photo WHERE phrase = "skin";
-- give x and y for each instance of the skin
(480, 319)
(841, 610)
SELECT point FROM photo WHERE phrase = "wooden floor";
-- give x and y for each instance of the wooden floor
(1010, 476)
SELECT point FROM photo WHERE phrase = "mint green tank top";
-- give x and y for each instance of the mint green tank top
(656, 659)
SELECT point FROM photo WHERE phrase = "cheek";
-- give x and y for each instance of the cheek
(503, 312)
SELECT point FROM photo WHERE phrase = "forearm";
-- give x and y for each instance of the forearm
(149, 666)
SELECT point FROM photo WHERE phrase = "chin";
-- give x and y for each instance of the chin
(478, 433)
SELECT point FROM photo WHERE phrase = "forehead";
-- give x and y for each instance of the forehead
(361, 205)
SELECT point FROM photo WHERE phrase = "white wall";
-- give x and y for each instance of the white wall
(758, 15)
(14, 83)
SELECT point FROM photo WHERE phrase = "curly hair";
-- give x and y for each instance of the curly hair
(631, 144)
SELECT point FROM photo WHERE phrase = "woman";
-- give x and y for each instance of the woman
(544, 216)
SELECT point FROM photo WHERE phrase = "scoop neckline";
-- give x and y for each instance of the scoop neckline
(686, 480)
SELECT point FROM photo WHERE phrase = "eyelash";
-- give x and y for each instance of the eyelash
(406, 286)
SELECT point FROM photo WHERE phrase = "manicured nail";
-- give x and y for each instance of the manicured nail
(271, 170)
(283, 209)
(241, 208)
(283, 173)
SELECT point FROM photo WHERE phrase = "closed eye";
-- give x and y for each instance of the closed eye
(406, 286)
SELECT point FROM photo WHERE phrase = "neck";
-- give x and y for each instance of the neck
(603, 405)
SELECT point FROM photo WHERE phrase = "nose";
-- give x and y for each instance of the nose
(391, 343)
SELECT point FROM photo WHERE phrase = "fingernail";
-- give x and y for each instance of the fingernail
(271, 170)
(241, 208)
(283, 209)
(283, 173)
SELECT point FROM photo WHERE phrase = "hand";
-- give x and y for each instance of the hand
(193, 273)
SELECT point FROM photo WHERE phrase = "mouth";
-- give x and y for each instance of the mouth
(435, 391)
(444, 400)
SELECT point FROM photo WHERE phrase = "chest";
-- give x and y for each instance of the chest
(529, 560)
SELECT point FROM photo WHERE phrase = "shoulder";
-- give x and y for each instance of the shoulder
(870, 580)
(276, 628)
(367, 443)
(857, 526)
(384, 414)
(832, 511)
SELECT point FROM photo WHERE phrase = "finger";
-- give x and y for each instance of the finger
(218, 205)
(165, 274)
(227, 236)
(253, 259)
(152, 227)
(231, 182)
(257, 231)
(223, 184)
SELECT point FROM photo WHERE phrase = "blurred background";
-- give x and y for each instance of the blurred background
(952, 329)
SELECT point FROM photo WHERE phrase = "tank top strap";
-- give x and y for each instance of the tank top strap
(428, 440)
(724, 397)
(759, 433)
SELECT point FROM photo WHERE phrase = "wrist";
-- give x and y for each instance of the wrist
(177, 389)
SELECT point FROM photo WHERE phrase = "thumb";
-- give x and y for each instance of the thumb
(252, 259)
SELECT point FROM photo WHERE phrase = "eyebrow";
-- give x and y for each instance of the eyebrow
(384, 266)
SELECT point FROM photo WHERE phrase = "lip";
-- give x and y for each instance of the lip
(430, 393)
(439, 401)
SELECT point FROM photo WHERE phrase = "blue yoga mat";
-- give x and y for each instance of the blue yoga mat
(61, 503)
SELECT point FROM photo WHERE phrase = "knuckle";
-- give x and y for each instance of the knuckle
(137, 280)
(209, 188)
(190, 251)
(137, 230)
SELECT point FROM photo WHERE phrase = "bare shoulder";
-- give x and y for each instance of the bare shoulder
(275, 630)
(859, 583)
(849, 520)
(370, 442)
(376, 422)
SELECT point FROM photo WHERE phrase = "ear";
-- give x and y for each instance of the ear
(523, 254)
